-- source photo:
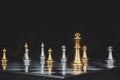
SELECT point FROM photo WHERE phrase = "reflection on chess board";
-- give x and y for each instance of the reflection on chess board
(57, 70)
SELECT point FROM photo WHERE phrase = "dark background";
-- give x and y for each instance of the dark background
(54, 23)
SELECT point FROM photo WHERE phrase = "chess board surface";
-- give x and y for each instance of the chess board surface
(58, 70)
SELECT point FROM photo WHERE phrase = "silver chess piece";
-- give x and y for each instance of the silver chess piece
(26, 63)
(110, 61)
(42, 56)
(63, 60)
(26, 56)
(110, 56)
(110, 64)
(42, 68)
(63, 68)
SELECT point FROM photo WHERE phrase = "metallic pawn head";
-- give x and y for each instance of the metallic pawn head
(63, 47)
(42, 45)
(84, 48)
(26, 45)
(110, 48)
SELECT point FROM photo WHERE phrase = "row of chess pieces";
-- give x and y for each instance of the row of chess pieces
(75, 70)
(49, 62)
(77, 62)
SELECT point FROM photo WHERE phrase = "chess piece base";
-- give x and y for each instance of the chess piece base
(4, 64)
(77, 66)
(4, 60)
(27, 62)
(85, 60)
(110, 63)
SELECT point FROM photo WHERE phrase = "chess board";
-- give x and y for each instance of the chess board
(58, 70)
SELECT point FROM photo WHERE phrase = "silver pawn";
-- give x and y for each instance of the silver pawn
(63, 68)
(26, 63)
(110, 64)
(63, 60)
(26, 54)
(110, 49)
(110, 60)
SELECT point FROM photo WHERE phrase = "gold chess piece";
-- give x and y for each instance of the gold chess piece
(50, 59)
(26, 45)
(85, 67)
(4, 60)
(4, 55)
(76, 70)
(77, 59)
(4, 64)
(50, 66)
(84, 57)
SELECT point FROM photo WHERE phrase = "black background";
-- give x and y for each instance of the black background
(54, 23)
